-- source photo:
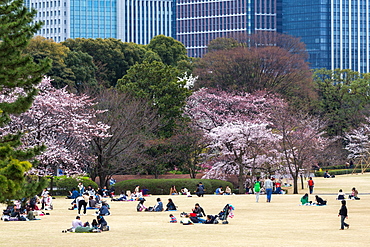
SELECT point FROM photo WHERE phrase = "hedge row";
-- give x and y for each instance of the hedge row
(341, 172)
(65, 184)
(162, 186)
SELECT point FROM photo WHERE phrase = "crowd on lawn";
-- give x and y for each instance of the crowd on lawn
(89, 199)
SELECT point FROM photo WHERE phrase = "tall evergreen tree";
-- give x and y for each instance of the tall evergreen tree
(18, 77)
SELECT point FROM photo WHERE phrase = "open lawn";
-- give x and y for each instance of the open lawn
(279, 223)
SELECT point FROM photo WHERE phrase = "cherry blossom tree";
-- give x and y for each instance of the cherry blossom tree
(61, 121)
(210, 108)
(359, 143)
(238, 125)
(241, 146)
(301, 140)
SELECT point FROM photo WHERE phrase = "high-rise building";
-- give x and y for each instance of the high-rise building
(336, 32)
(129, 20)
(200, 21)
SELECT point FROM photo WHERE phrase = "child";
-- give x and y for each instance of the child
(186, 221)
(173, 219)
(343, 213)
(341, 195)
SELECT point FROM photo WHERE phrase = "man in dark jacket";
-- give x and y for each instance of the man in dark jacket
(343, 213)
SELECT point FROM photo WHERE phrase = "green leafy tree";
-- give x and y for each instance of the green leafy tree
(170, 50)
(159, 84)
(84, 70)
(41, 48)
(18, 72)
(343, 96)
(116, 56)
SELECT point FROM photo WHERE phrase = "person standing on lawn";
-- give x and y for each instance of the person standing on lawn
(343, 213)
(311, 185)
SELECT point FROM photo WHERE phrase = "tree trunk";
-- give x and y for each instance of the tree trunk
(51, 185)
(295, 183)
(241, 180)
(101, 180)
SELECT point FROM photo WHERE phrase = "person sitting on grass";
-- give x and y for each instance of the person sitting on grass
(78, 226)
(219, 191)
(173, 219)
(102, 223)
(341, 195)
(159, 206)
(305, 201)
(354, 194)
(122, 197)
(103, 211)
(227, 190)
(170, 205)
(186, 220)
(140, 206)
(198, 210)
(173, 190)
(320, 201)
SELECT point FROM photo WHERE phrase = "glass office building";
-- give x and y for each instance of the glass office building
(336, 32)
(200, 21)
(129, 20)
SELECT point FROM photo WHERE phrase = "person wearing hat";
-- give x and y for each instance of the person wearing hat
(140, 207)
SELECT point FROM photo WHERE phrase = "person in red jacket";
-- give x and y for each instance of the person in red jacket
(311, 185)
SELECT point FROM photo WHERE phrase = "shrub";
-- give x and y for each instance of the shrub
(341, 172)
(162, 186)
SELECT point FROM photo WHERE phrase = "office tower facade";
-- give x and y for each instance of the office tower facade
(135, 21)
(336, 32)
(200, 21)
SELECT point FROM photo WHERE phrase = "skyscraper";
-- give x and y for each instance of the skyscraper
(129, 20)
(336, 32)
(200, 21)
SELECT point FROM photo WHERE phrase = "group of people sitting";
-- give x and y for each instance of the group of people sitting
(28, 208)
(219, 191)
(319, 201)
(158, 207)
(352, 196)
(86, 201)
(97, 225)
(101, 192)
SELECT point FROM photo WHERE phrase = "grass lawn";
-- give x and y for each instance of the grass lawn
(279, 223)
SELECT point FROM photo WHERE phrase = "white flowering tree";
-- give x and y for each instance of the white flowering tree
(238, 126)
(62, 122)
(359, 143)
(301, 140)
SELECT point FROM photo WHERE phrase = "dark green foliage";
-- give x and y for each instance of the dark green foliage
(65, 184)
(16, 71)
(158, 83)
(112, 54)
(343, 95)
(170, 50)
(162, 186)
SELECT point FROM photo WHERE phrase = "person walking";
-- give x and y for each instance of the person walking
(268, 187)
(311, 185)
(343, 213)
(257, 189)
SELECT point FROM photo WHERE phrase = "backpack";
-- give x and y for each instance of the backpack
(257, 186)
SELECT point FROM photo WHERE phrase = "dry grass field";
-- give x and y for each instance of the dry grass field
(279, 223)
